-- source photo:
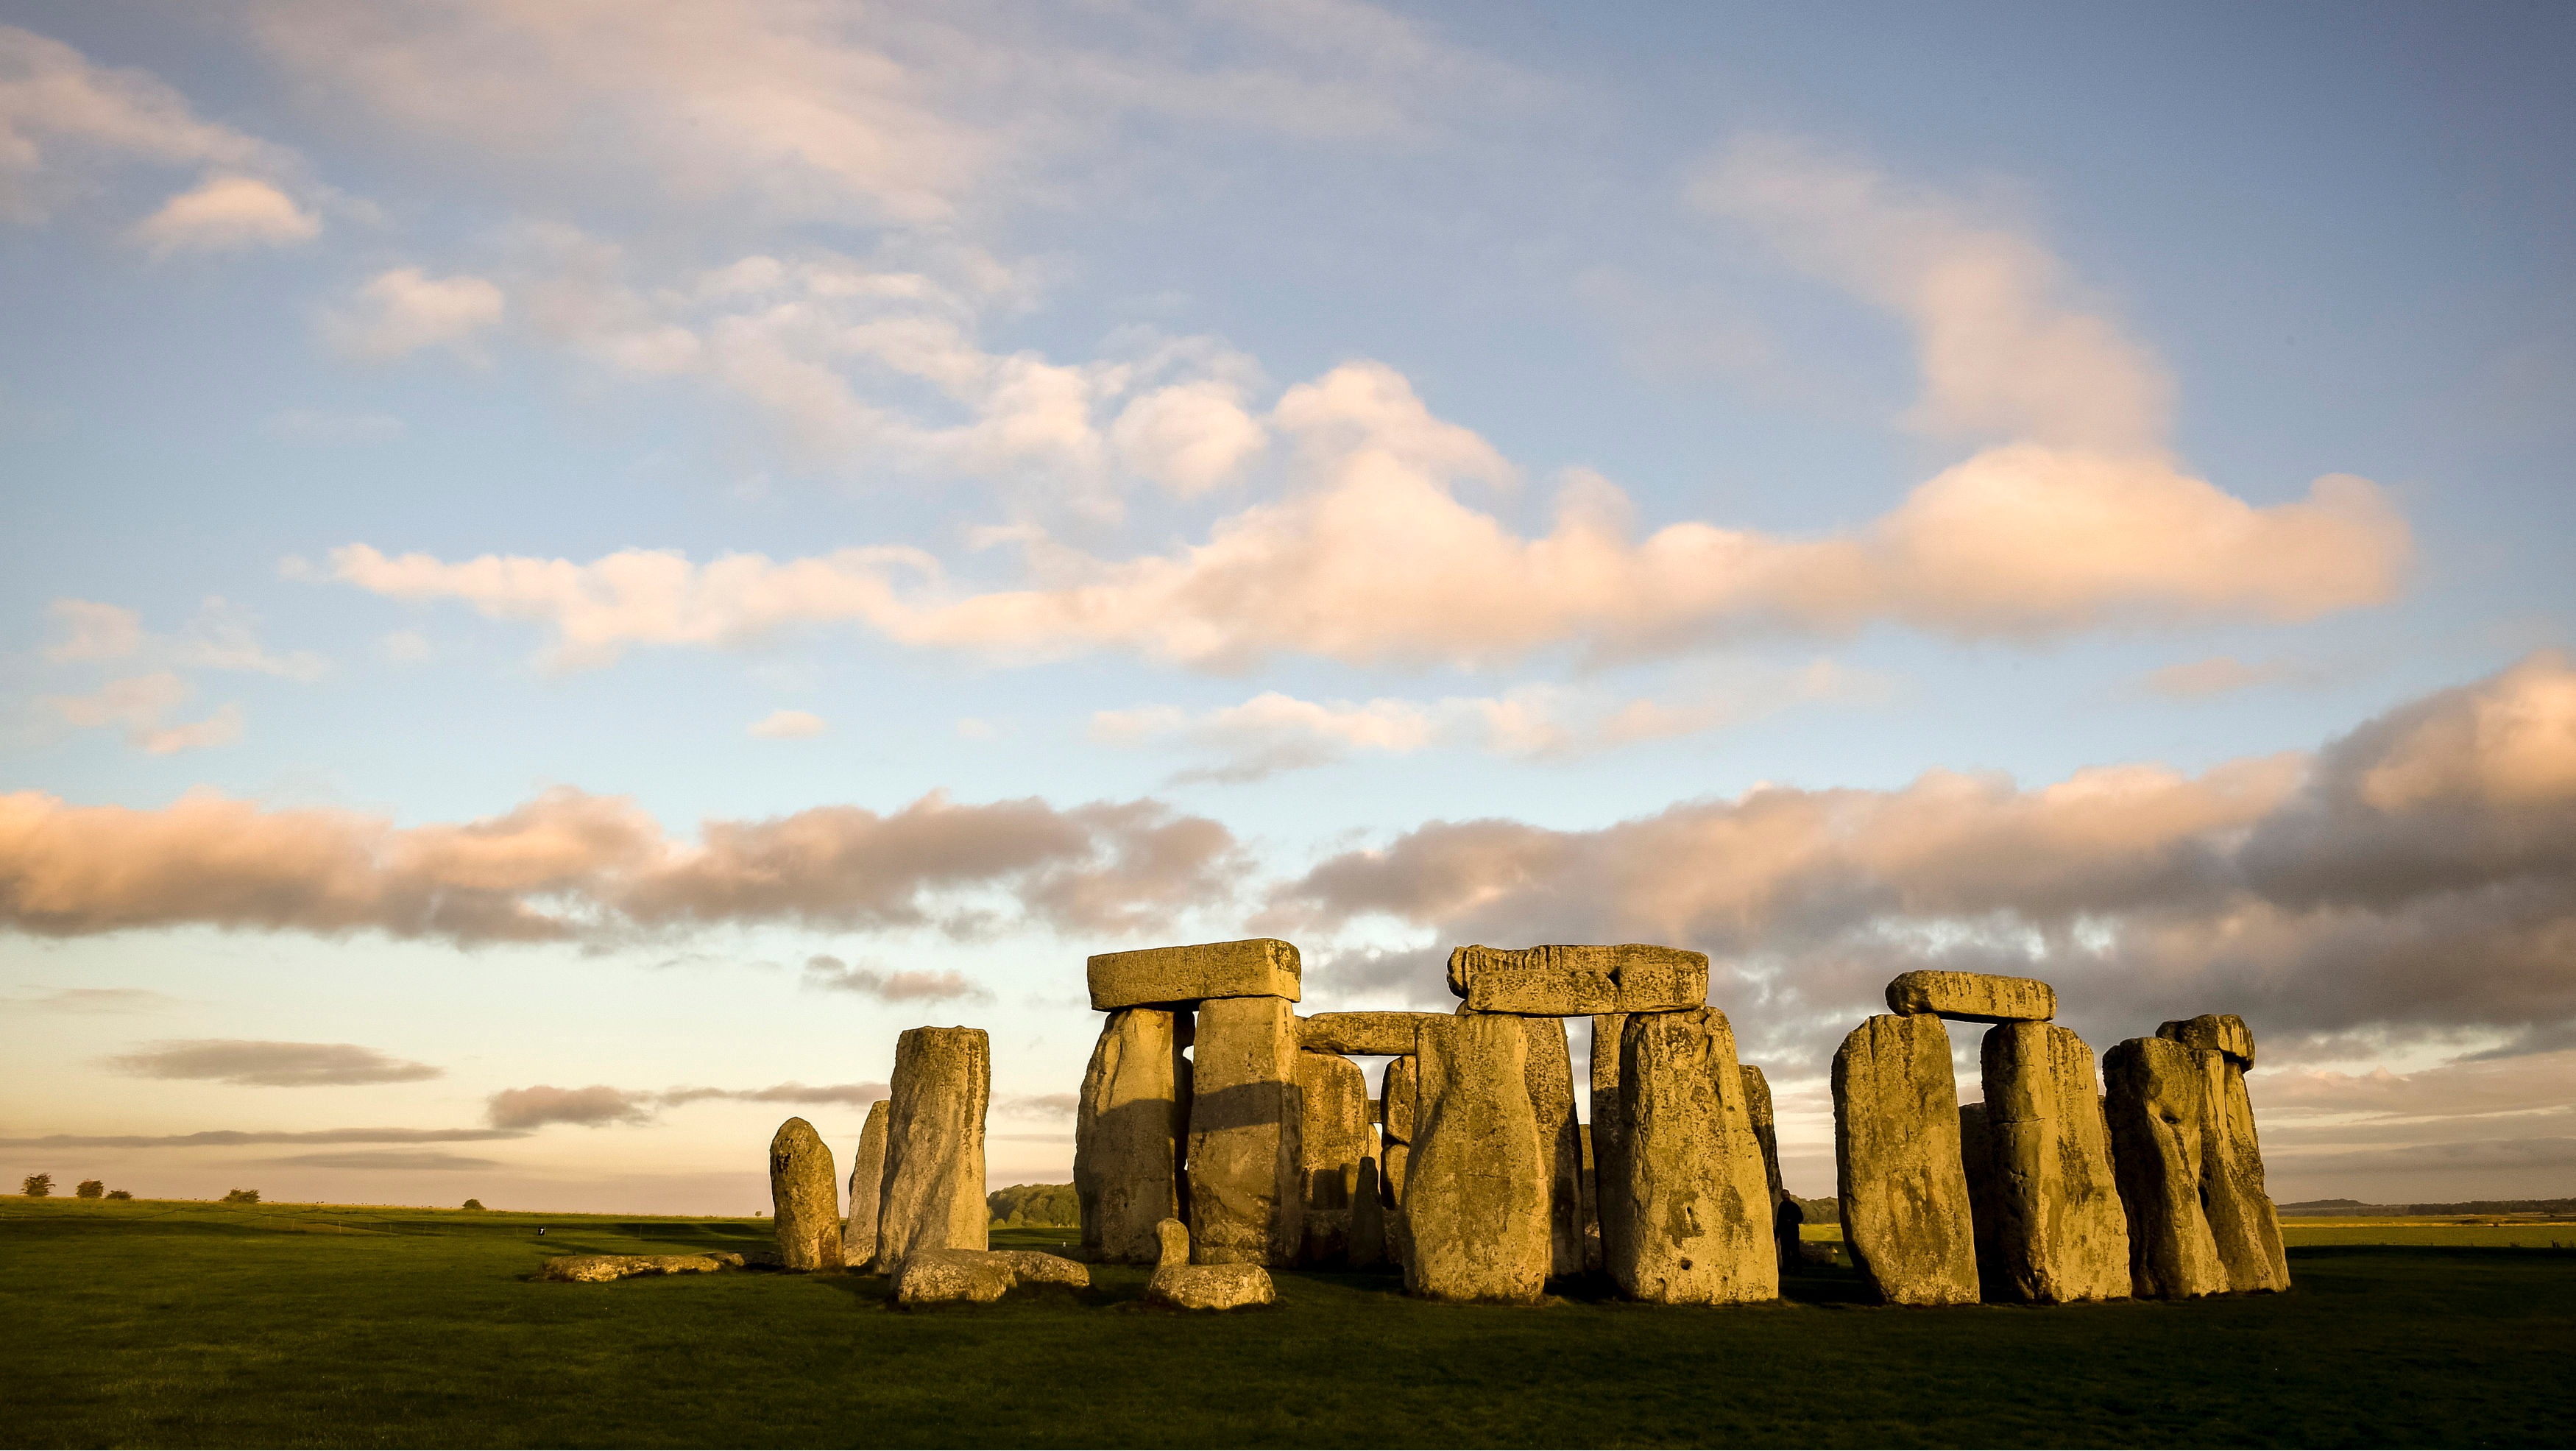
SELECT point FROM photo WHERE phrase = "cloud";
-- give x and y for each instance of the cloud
(235, 1138)
(403, 310)
(832, 974)
(139, 703)
(787, 725)
(218, 637)
(93, 631)
(272, 1065)
(98, 1000)
(600, 1105)
(407, 1159)
(1190, 438)
(1038, 1105)
(847, 1095)
(2413, 881)
(221, 728)
(2217, 675)
(570, 866)
(227, 213)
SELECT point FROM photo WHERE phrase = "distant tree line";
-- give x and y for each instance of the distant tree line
(1027, 1206)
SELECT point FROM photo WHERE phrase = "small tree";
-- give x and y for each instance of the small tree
(38, 1185)
(118, 1194)
(473, 1203)
(242, 1196)
(89, 1189)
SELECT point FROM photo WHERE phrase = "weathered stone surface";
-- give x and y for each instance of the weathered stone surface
(2058, 1230)
(1391, 1163)
(1245, 1201)
(2214, 1033)
(1396, 1089)
(1977, 1157)
(1474, 1224)
(2242, 1222)
(1699, 1209)
(1609, 1149)
(593, 1269)
(1571, 981)
(1257, 967)
(1368, 1034)
(933, 1193)
(947, 1276)
(867, 1181)
(805, 1204)
(1128, 1133)
(1035, 1267)
(1903, 1187)
(1766, 1130)
(1550, 1070)
(2158, 1108)
(1333, 1142)
(1185, 1286)
(1974, 997)
(1591, 1181)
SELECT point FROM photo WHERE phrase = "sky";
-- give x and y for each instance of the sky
(572, 570)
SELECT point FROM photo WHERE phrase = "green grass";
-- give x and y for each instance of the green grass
(170, 1324)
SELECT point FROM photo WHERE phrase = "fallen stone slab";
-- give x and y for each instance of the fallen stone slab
(1699, 1209)
(1903, 1184)
(805, 1202)
(952, 1276)
(1256, 967)
(1245, 1202)
(594, 1269)
(867, 1181)
(1367, 1034)
(1474, 1225)
(2214, 1033)
(1185, 1286)
(1128, 1130)
(2158, 1106)
(1972, 997)
(2058, 1232)
(1036, 1267)
(1573, 980)
(933, 1195)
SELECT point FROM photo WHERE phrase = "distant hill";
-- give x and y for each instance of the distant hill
(2354, 1208)
(1050, 1206)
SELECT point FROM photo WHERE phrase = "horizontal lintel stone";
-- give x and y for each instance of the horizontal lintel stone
(1973, 997)
(1257, 967)
(1568, 981)
(1370, 1034)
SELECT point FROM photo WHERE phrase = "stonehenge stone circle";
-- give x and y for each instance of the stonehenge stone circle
(2157, 1106)
(1698, 1212)
(2059, 1231)
(1973, 997)
(1474, 1223)
(1898, 1171)
(867, 1178)
(933, 1192)
(2223, 1033)
(1245, 1201)
(1333, 1141)
(1129, 1127)
(1185, 1286)
(805, 1203)
(1258, 967)
(1367, 1034)
(1572, 981)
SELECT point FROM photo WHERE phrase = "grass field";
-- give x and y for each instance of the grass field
(191, 1324)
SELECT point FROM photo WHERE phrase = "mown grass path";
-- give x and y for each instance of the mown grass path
(157, 1324)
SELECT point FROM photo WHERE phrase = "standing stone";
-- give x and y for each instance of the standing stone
(1590, 1185)
(1259, 967)
(1609, 1153)
(1550, 1069)
(1474, 1224)
(2158, 1107)
(867, 1177)
(2242, 1222)
(1977, 1157)
(1904, 1188)
(1570, 981)
(1333, 1141)
(1397, 1089)
(2058, 1231)
(1127, 1134)
(2214, 1033)
(1766, 1131)
(1699, 1208)
(1245, 1198)
(804, 1202)
(1974, 997)
(1368, 1219)
(933, 1193)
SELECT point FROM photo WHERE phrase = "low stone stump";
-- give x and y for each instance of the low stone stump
(867, 1182)
(1972, 997)
(1245, 1202)
(1257, 967)
(2058, 1232)
(2158, 1108)
(1366, 1034)
(1128, 1131)
(595, 1269)
(1573, 980)
(933, 1197)
(1474, 1225)
(1699, 1207)
(1903, 1185)
(1184, 1286)
(805, 1203)
(952, 1276)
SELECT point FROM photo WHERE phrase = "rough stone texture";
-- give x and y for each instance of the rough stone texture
(1609, 1148)
(2058, 1232)
(1550, 1071)
(1475, 1220)
(1128, 1130)
(1185, 1286)
(1392, 1160)
(1368, 1034)
(867, 1180)
(2214, 1033)
(1570, 981)
(1035, 1267)
(1368, 1219)
(1977, 1157)
(2242, 1222)
(1257, 967)
(1974, 997)
(947, 1276)
(933, 1192)
(1333, 1141)
(1903, 1187)
(805, 1203)
(593, 1269)
(1245, 1198)
(2158, 1106)
(1396, 1096)
(1766, 1130)
(1699, 1208)
(1590, 1189)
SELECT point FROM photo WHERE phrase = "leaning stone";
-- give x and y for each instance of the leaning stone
(1367, 1034)
(1128, 1130)
(1035, 1267)
(1245, 1201)
(933, 1197)
(2242, 1222)
(2214, 1033)
(1973, 997)
(1396, 1096)
(1258, 967)
(948, 1276)
(867, 1181)
(805, 1205)
(1474, 1224)
(1333, 1141)
(1699, 1209)
(1568, 981)
(1185, 1286)
(2158, 1108)
(2058, 1231)
(1904, 1189)
(594, 1269)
